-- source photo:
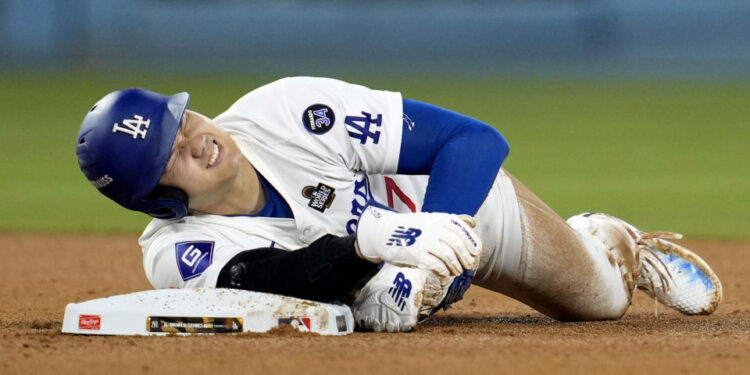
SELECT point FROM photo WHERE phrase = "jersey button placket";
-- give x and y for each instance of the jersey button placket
(306, 235)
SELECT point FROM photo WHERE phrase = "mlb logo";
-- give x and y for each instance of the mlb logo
(302, 323)
(89, 322)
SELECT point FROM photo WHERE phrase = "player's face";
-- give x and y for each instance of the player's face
(205, 161)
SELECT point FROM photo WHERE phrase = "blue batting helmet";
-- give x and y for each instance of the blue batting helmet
(124, 145)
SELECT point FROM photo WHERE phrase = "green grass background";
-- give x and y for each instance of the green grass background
(664, 155)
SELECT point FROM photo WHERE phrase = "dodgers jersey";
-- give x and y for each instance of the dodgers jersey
(327, 147)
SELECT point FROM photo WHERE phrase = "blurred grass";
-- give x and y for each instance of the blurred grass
(664, 155)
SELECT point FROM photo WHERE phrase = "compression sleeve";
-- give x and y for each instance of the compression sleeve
(327, 270)
(462, 155)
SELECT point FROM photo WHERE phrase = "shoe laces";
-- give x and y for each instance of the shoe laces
(648, 253)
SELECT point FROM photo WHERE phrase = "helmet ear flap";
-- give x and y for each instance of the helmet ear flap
(171, 202)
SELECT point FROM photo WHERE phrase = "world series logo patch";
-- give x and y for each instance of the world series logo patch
(318, 118)
(320, 197)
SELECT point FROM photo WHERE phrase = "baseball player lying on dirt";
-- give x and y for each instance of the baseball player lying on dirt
(320, 189)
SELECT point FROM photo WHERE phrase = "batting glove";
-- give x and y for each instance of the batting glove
(442, 243)
(396, 297)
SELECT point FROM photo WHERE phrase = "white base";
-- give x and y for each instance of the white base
(203, 311)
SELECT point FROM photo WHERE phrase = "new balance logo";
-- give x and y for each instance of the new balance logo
(400, 290)
(134, 127)
(403, 237)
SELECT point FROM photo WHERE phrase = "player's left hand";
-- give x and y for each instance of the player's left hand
(396, 298)
(441, 243)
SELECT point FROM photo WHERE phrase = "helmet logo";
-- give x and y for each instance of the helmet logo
(134, 127)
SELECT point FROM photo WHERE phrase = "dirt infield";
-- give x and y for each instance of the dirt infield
(486, 333)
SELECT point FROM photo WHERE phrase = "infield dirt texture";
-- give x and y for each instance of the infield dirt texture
(485, 333)
(662, 155)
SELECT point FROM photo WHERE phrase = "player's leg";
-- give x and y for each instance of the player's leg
(588, 267)
(584, 269)
(672, 274)
(564, 273)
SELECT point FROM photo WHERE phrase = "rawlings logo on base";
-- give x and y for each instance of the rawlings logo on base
(89, 322)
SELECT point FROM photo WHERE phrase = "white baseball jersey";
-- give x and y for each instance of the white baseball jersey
(327, 147)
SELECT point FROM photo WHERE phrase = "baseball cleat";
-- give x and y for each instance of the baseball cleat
(676, 276)
(668, 272)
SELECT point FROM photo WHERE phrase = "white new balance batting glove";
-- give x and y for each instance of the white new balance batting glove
(396, 298)
(438, 242)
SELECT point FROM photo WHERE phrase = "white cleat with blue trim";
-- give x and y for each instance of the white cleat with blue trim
(668, 272)
(676, 276)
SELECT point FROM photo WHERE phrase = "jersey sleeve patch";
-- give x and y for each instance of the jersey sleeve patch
(193, 258)
(318, 118)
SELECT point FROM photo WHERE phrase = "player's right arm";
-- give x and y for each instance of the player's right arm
(331, 268)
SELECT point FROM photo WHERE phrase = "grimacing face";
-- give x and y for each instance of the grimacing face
(205, 160)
